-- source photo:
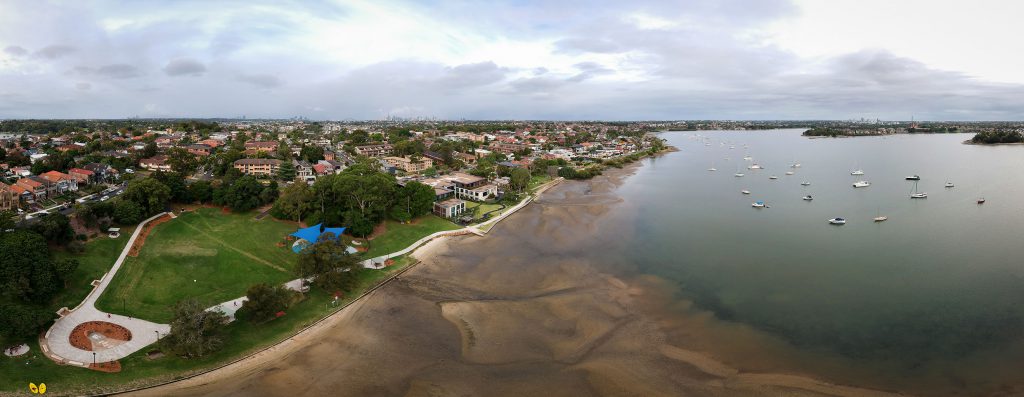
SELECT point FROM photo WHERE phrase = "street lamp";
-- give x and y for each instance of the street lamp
(157, 335)
(93, 358)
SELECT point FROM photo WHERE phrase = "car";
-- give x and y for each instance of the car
(104, 198)
(129, 171)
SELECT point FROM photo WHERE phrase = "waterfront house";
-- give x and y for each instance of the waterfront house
(450, 208)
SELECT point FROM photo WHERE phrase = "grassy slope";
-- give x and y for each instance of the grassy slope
(241, 338)
(223, 253)
(398, 236)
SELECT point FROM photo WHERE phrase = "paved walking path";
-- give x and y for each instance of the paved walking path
(57, 346)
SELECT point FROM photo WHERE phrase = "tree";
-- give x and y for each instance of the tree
(182, 161)
(201, 191)
(7, 220)
(55, 228)
(413, 199)
(264, 301)
(295, 202)
(243, 195)
(128, 212)
(519, 180)
(27, 271)
(331, 266)
(311, 154)
(20, 321)
(195, 332)
(286, 172)
(149, 193)
(176, 182)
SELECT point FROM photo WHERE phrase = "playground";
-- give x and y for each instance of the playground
(204, 254)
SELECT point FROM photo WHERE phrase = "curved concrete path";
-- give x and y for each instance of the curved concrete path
(56, 343)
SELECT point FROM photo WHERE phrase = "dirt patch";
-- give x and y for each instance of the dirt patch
(378, 230)
(109, 366)
(86, 334)
(139, 241)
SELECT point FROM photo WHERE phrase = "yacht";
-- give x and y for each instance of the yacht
(712, 167)
(861, 184)
(949, 184)
(808, 198)
(981, 200)
(758, 204)
(914, 194)
(881, 218)
(745, 191)
(755, 166)
(794, 165)
(857, 172)
(837, 221)
(738, 174)
(773, 177)
(805, 183)
(747, 157)
(914, 177)
(789, 172)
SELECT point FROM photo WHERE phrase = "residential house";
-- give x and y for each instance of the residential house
(102, 172)
(36, 188)
(252, 147)
(9, 198)
(200, 149)
(258, 167)
(82, 176)
(303, 171)
(61, 183)
(449, 208)
(471, 187)
(375, 150)
(156, 163)
(408, 164)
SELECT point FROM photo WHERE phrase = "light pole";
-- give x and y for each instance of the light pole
(93, 358)
(157, 335)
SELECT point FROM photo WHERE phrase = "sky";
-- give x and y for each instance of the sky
(513, 59)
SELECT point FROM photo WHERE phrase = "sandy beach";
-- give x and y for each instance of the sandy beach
(518, 312)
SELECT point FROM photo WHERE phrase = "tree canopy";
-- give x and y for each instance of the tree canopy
(195, 332)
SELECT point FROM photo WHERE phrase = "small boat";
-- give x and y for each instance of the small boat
(732, 147)
(837, 221)
(773, 177)
(949, 184)
(712, 169)
(748, 158)
(738, 174)
(755, 166)
(794, 165)
(914, 177)
(745, 191)
(857, 172)
(914, 194)
(805, 183)
(879, 217)
(808, 198)
(981, 200)
(789, 172)
(861, 184)
(758, 204)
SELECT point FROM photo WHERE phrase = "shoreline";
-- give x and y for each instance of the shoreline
(970, 142)
(483, 342)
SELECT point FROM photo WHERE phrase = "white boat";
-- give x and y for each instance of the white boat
(732, 147)
(914, 177)
(914, 194)
(712, 167)
(745, 191)
(755, 166)
(857, 172)
(738, 174)
(758, 204)
(773, 177)
(981, 200)
(748, 158)
(794, 165)
(789, 172)
(808, 198)
(861, 184)
(949, 184)
(837, 221)
(805, 183)
(879, 217)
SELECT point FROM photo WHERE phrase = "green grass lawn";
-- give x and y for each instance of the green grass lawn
(241, 338)
(223, 253)
(97, 259)
(398, 236)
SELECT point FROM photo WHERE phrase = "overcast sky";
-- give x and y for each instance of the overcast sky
(622, 60)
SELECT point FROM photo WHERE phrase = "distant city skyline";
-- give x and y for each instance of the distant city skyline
(565, 60)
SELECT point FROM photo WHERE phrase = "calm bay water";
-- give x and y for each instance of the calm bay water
(941, 281)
